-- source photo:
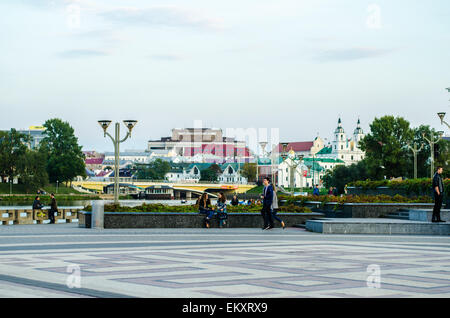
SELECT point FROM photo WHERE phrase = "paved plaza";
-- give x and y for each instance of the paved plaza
(43, 260)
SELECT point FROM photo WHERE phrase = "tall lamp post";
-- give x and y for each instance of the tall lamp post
(295, 161)
(116, 141)
(442, 114)
(263, 145)
(415, 151)
(432, 141)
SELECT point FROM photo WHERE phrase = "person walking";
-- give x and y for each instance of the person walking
(274, 208)
(53, 209)
(205, 207)
(37, 205)
(221, 209)
(267, 204)
(438, 191)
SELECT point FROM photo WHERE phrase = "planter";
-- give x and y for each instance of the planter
(188, 220)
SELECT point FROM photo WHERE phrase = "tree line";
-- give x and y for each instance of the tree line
(388, 155)
(57, 158)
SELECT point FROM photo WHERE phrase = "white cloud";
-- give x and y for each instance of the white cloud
(169, 16)
(350, 54)
(81, 53)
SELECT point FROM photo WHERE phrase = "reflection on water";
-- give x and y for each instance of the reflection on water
(130, 203)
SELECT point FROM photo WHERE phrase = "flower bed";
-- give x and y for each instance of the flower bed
(254, 208)
(417, 186)
(355, 199)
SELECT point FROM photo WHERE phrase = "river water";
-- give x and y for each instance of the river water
(82, 203)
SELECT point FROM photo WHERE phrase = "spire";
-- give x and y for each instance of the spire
(358, 130)
(339, 128)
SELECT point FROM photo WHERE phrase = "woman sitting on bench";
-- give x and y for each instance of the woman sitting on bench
(204, 207)
(222, 209)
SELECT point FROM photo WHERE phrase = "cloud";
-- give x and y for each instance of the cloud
(82, 53)
(169, 16)
(351, 54)
(166, 57)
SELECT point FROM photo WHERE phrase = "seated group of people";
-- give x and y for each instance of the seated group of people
(269, 202)
(205, 207)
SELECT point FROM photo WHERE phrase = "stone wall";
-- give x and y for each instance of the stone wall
(189, 220)
(361, 210)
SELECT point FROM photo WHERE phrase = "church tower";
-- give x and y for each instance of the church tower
(358, 134)
(340, 139)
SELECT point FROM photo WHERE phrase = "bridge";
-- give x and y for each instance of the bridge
(186, 188)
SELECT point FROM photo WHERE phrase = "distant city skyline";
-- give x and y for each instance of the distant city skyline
(295, 65)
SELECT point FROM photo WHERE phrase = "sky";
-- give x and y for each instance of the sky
(291, 65)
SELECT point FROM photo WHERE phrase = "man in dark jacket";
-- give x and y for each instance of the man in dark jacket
(53, 209)
(438, 191)
(267, 204)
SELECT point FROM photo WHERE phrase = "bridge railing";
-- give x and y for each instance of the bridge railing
(132, 180)
(10, 216)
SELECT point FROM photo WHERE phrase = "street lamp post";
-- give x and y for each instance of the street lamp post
(441, 115)
(415, 151)
(116, 141)
(295, 161)
(57, 186)
(432, 141)
(263, 145)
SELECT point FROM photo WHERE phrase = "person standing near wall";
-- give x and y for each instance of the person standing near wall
(53, 209)
(438, 191)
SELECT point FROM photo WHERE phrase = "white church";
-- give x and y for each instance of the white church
(343, 148)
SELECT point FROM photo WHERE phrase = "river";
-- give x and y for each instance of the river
(82, 203)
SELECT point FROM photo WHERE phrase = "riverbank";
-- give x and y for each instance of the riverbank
(46, 197)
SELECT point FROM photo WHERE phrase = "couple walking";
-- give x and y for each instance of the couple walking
(270, 205)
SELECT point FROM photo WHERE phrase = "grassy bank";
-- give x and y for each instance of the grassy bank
(59, 197)
(5, 188)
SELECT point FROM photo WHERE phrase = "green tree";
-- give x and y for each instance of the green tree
(155, 170)
(341, 175)
(13, 146)
(249, 171)
(211, 173)
(386, 148)
(33, 171)
(65, 159)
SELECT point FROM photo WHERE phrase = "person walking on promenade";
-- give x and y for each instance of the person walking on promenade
(205, 207)
(274, 208)
(234, 201)
(438, 191)
(267, 204)
(37, 205)
(53, 209)
(221, 209)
